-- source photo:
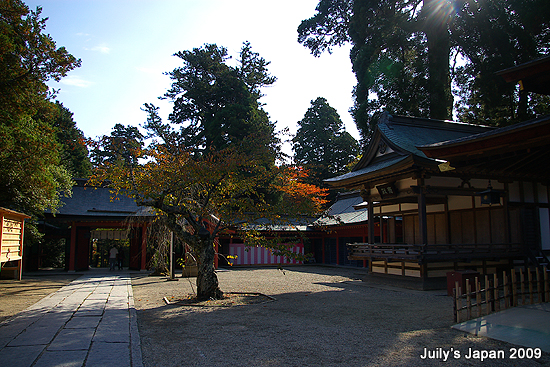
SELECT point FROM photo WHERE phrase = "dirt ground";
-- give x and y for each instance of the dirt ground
(16, 296)
(320, 317)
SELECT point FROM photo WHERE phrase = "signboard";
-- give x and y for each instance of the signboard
(387, 190)
(12, 226)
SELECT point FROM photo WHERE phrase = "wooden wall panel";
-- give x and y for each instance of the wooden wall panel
(468, 227)
(408, 229)
(417, 239)
(456, 227)
(440, 228)
(498, 226)
(431, 228)
(483, 226)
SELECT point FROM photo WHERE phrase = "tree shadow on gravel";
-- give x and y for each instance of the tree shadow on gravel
(344, 324)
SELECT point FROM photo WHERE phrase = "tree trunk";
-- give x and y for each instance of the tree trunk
(207, 280)
(437, 33)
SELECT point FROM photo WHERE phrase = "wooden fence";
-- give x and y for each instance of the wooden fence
(499, 294)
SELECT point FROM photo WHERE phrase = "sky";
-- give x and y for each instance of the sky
(126, 46)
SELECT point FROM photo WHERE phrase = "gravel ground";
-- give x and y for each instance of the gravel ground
(16, 296)
(320, 317)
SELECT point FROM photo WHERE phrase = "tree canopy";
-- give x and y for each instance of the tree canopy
(74, 153)
(404, 55)
(321, 144)
(211, 166)
(31, 170)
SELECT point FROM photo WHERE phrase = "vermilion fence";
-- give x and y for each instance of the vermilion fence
(260, 255)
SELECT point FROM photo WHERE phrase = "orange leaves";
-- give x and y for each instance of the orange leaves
(305, 196)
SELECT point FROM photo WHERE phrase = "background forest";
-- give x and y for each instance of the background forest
(430, 58)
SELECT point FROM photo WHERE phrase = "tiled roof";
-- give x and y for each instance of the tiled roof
(343, 212)
(403, 135)
(511, 129)
(378, 165)
(99, 202)
(407, 133)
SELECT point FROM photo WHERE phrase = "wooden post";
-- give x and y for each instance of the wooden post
(546, 285)
(457, 292)
(530, 278)
(514, 289)
(370, 221)
(72, 248)
(489, 305)
(478, 297)
(522, 280)
(505, 289)
(468, 300)
(497, 300)
(539, 288)
(422, 217)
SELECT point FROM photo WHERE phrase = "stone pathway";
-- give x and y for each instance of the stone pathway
(90, 322)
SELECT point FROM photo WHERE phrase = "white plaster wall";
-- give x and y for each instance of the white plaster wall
(435, 208)
(390, 208)
(409, 206)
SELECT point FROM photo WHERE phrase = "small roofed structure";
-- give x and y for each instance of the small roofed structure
(95, 213)
(343, 224)
(11, 243)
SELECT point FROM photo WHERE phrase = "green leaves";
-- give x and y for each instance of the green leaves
(321, 145)
(34, 133)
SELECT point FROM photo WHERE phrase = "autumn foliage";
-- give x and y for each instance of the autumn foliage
(217, 172)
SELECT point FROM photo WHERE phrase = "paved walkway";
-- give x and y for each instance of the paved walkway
(90, 322)
(528, 326)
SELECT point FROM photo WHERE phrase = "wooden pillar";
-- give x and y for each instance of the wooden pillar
(422, 218)
(505, 201)
(72, 248)
(143, 264)
(365, 194)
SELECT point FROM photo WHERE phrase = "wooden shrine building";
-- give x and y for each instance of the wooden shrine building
(92, 214)
(466, 195)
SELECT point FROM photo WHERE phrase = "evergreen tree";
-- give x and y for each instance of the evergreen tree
(321, 145)
(31, 173)
(216, 104)
(216, 171)
(401, 55)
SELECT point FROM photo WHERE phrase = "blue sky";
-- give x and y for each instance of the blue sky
(126, 46)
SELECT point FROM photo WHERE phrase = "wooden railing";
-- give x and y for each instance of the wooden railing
(360, 251)
(427, 253)
(492, 295)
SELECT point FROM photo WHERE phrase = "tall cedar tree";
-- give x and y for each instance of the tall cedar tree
(31, 173)
(402, 51)
(321, 145)
(216, 172)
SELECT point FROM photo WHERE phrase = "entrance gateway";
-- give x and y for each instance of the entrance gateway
(92, 219)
